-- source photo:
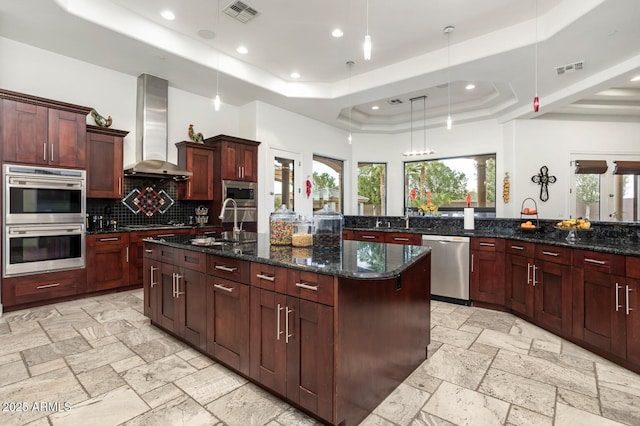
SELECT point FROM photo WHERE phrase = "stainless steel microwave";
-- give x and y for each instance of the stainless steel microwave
(244, 193)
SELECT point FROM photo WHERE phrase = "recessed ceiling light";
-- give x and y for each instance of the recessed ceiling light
(470, 86)
(242, 50)
(168, 15)
(207, 34)
(337, 33)
(375, 107)
(295, 75)
(636, 78)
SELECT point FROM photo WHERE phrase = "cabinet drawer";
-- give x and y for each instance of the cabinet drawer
(269, 277)
(192, 260)
(40, 287)
(404, 238)
(487, 244)
(229, 268)
(519, 248)
(311, 286)
(104, 240)
(554, 254)
(633, 267)
(150, 250)
(166, 254)
(368, 236)
(596, 261)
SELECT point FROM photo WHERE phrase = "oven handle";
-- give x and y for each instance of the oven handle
(49, 182)
(43, 230)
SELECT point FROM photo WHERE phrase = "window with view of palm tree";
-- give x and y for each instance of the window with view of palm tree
(327, 183)
(372, 192)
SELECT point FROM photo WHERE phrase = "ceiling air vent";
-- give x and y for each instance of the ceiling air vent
(241, 11)
(576, 66)
(394, 101)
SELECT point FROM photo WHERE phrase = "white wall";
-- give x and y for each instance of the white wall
(38, 72)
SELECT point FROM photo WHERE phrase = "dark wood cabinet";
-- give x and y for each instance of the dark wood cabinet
(107, 261)
(236, 159)
(487, 272)
(198, 159)
(105, 162)
(599, 301)
(31, 289)
(551, 277)
(42, 131)
(136, 249)
(383, 237)
(151, 285)
(518, 278)
(632, 309)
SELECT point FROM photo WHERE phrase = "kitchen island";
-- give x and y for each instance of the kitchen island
(331, 331)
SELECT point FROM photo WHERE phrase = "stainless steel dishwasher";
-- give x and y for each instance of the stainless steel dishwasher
(449, 267)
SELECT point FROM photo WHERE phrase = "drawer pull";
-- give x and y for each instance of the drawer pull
(266, 277)
(148, 251)
(225, 268)
(307, 286)
(597, 262)
(40, 287)
(400, 239)
(165, 235)
(369, 237)
(221, 287)
(102, 240)
(550, 253)
(488, 244)
(517, 247)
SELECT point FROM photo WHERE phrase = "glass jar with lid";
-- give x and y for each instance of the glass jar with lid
(327, 228)
(281, 226)
(302, 232)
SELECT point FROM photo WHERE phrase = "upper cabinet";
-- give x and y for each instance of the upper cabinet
(238, 158)
(196, 158)
(42, 131)
(105, 162)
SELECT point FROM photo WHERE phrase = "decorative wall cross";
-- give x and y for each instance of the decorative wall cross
(543, 179)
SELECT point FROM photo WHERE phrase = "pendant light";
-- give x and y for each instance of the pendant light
(411, 152)
(448, 30)
(216, 100)
(536, 100)
(350, 65)
(425, 150)
(367, 39)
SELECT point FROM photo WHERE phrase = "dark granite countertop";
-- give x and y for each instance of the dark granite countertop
(353, 259)
(153, 227)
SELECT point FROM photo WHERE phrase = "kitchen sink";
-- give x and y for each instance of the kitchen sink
(241, 238)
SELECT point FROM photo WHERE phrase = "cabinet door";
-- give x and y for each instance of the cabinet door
(519, 287)
(151, 289)
(228, 322)
(104, 168)
(268, 361)
(598, 310)
(67, 139)
(309, 331)
(24, 132)
(191, 300)
(632, 311)
(487, 277)
(229, 161)
(167, 310)
(200, 186)
(552, 290)
(107, 261)
(249, 163)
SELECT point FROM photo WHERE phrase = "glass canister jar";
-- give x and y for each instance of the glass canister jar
(327, 228)
(281, 226)
(302, 233)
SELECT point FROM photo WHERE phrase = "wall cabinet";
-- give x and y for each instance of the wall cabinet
(42, 132)
(198, 159)
(486, 279)
(107, 261)
(237, 158)
(104, 162)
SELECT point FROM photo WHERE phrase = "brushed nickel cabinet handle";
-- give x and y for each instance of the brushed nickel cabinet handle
(152, 282)
(148, 251)
(400, 239)
(165, 235)
(550, 253)
(517, 247)
(488, 244)
(286, 324)
(102, 240)
(278, 331)
(225, 268)
(126, 256)
(40, 287)
(618, 305)
(221, 287)
(307, 286)
(266, 277)
(178, 292)
(44, 151)
(535, 268)
(595, 261)
(528, 273)
(627, 290)
(368, 237)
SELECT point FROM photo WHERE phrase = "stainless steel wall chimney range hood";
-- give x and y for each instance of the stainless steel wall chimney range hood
(151, 132)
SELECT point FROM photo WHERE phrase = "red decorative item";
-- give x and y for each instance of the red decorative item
(468, 200)
(413, 194)
(536, 104)
(308, 189)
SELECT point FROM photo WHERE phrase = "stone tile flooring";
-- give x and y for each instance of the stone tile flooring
(98, 361)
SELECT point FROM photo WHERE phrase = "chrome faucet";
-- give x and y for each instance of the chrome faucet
(236, 230)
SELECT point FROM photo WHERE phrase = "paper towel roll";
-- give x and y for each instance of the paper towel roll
(468, 218)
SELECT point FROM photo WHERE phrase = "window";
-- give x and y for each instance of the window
(372, 189)
(327, 183)
(443, 184)
(283, 171)
(610, 192)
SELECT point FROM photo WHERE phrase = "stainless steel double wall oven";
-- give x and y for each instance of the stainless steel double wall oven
(44, 212)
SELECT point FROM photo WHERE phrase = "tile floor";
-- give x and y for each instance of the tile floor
(98, 361)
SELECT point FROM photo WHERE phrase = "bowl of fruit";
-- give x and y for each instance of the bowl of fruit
(528, 226)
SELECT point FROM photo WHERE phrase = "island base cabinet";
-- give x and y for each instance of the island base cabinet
(150, 288)
(292, 349)
(228, 322)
